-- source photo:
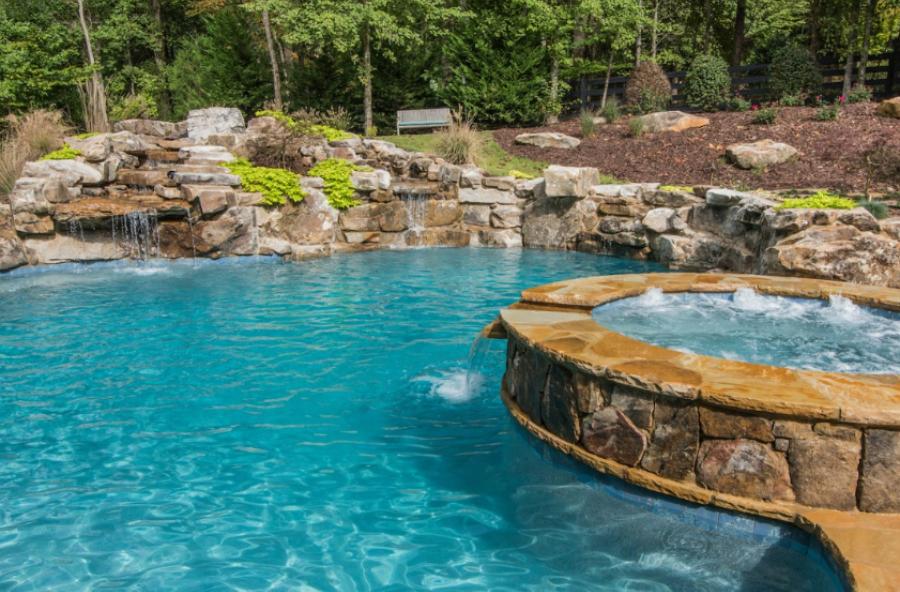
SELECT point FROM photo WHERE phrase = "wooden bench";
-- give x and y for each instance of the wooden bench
(420, 118)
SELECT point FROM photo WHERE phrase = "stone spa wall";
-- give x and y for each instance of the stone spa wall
(751, 437)
(156, 189)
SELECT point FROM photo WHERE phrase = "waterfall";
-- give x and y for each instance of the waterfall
(478, 353)
(416, 205)
(190, 222)
(138, 233)
(75, 229)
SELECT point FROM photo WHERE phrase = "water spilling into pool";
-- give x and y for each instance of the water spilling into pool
(832, 335)
(248, 425)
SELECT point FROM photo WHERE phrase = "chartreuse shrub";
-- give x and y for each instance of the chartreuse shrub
(277, 186)
(64, 153)
(86, 135)
(707, 84)
(338, 188)
(821, 200)
(521, 175)
(304, 127)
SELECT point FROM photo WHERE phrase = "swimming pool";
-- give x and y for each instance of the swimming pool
(250, 425)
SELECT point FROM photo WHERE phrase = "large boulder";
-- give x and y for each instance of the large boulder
(554, 223)
(36, 195)
(310, 222)
(760, 154)
(92, 149)
(203, 123)
(152, 127)
(69, 172)
(548, 140)
(880, 472)
(890, 107)
(210, 154)
(560, 181)
(838, 252)
(62, 248)
(671, 121)
(12, 254)
(229, 234)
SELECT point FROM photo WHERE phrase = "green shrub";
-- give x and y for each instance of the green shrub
(635, 127)
(821, 200)
(791, 101)
(739, 103)
(765, 116)
(305, 127)
(648, 88)
(459, 143)
(338, 187)
(586, 120)
(794, 71)
(707, 83)
(611, 111)
(64, 153)
(277, 186)
(138, 106)
(334, 117)
(521, 175)
(876, 208)
(86, 135)
(829, 112)
(859, 94)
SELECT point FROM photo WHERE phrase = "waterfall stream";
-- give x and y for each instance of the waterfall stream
(138, 233)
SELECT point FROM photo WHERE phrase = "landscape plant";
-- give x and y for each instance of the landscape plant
(28, 137)
(635, 127)
(764, 116)
(459, 142)
(821, 200)
(335, 172)
(829, 112)
(277, 186)
(859, 94)
(648, 88)
(586, 121)
(794, 72)
(611, 111)
(64, 153)
(707, 84)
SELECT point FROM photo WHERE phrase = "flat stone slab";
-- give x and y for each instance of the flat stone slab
(890, 108)
(548, 140)
(759, 155)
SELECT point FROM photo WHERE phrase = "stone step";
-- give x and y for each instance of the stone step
(163, 156)
(204, 178)
(174, 144)
(143, 178)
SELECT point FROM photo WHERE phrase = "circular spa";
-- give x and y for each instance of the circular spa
(778, 397)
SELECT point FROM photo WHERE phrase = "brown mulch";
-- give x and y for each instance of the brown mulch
(831, 153)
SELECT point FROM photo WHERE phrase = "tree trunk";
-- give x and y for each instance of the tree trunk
(367, 80)
(553, 116)
(867, 37)
(653, 32)
(812, 24)
(159, 56)
(707, 25)
(640, 29)
(740, 24)
(95, 116)
(606, 80)
(851, 45)
(273, 58)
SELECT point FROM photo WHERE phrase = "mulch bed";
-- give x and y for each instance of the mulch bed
(831, 152)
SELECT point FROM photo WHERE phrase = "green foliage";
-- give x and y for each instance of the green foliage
(648, 88)
(682, 188)
(829, 112)
(520, 175)
(821, 200)
(876, 208)
(611, 111)
(306, 128)
(791, 101)
(86, 135)
(64, 153)
(707, 84)
(277, 186)
(739, 103)
(635, 127)
(859, 94)
(586, 121)
(140, 106)
(765, 116)
(794, 71)
(338, 187)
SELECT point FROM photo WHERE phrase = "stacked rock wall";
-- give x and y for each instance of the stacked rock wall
(157, 188)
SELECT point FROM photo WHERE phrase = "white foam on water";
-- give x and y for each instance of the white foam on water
(652, 297)
(842, 309)
(455, 386)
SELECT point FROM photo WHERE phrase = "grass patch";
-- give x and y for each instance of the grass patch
(492, 157)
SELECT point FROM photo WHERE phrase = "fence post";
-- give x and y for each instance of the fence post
(893, 70)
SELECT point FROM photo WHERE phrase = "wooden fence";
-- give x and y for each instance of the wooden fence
(752, 81)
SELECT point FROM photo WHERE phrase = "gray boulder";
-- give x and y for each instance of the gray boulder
(203, 123)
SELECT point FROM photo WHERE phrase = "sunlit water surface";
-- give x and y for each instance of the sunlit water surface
(833, 335)
(251, 425)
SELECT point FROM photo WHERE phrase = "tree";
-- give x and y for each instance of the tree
(93, 94)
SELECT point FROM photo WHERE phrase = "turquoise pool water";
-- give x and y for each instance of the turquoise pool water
(833, 335)
(252, 425)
